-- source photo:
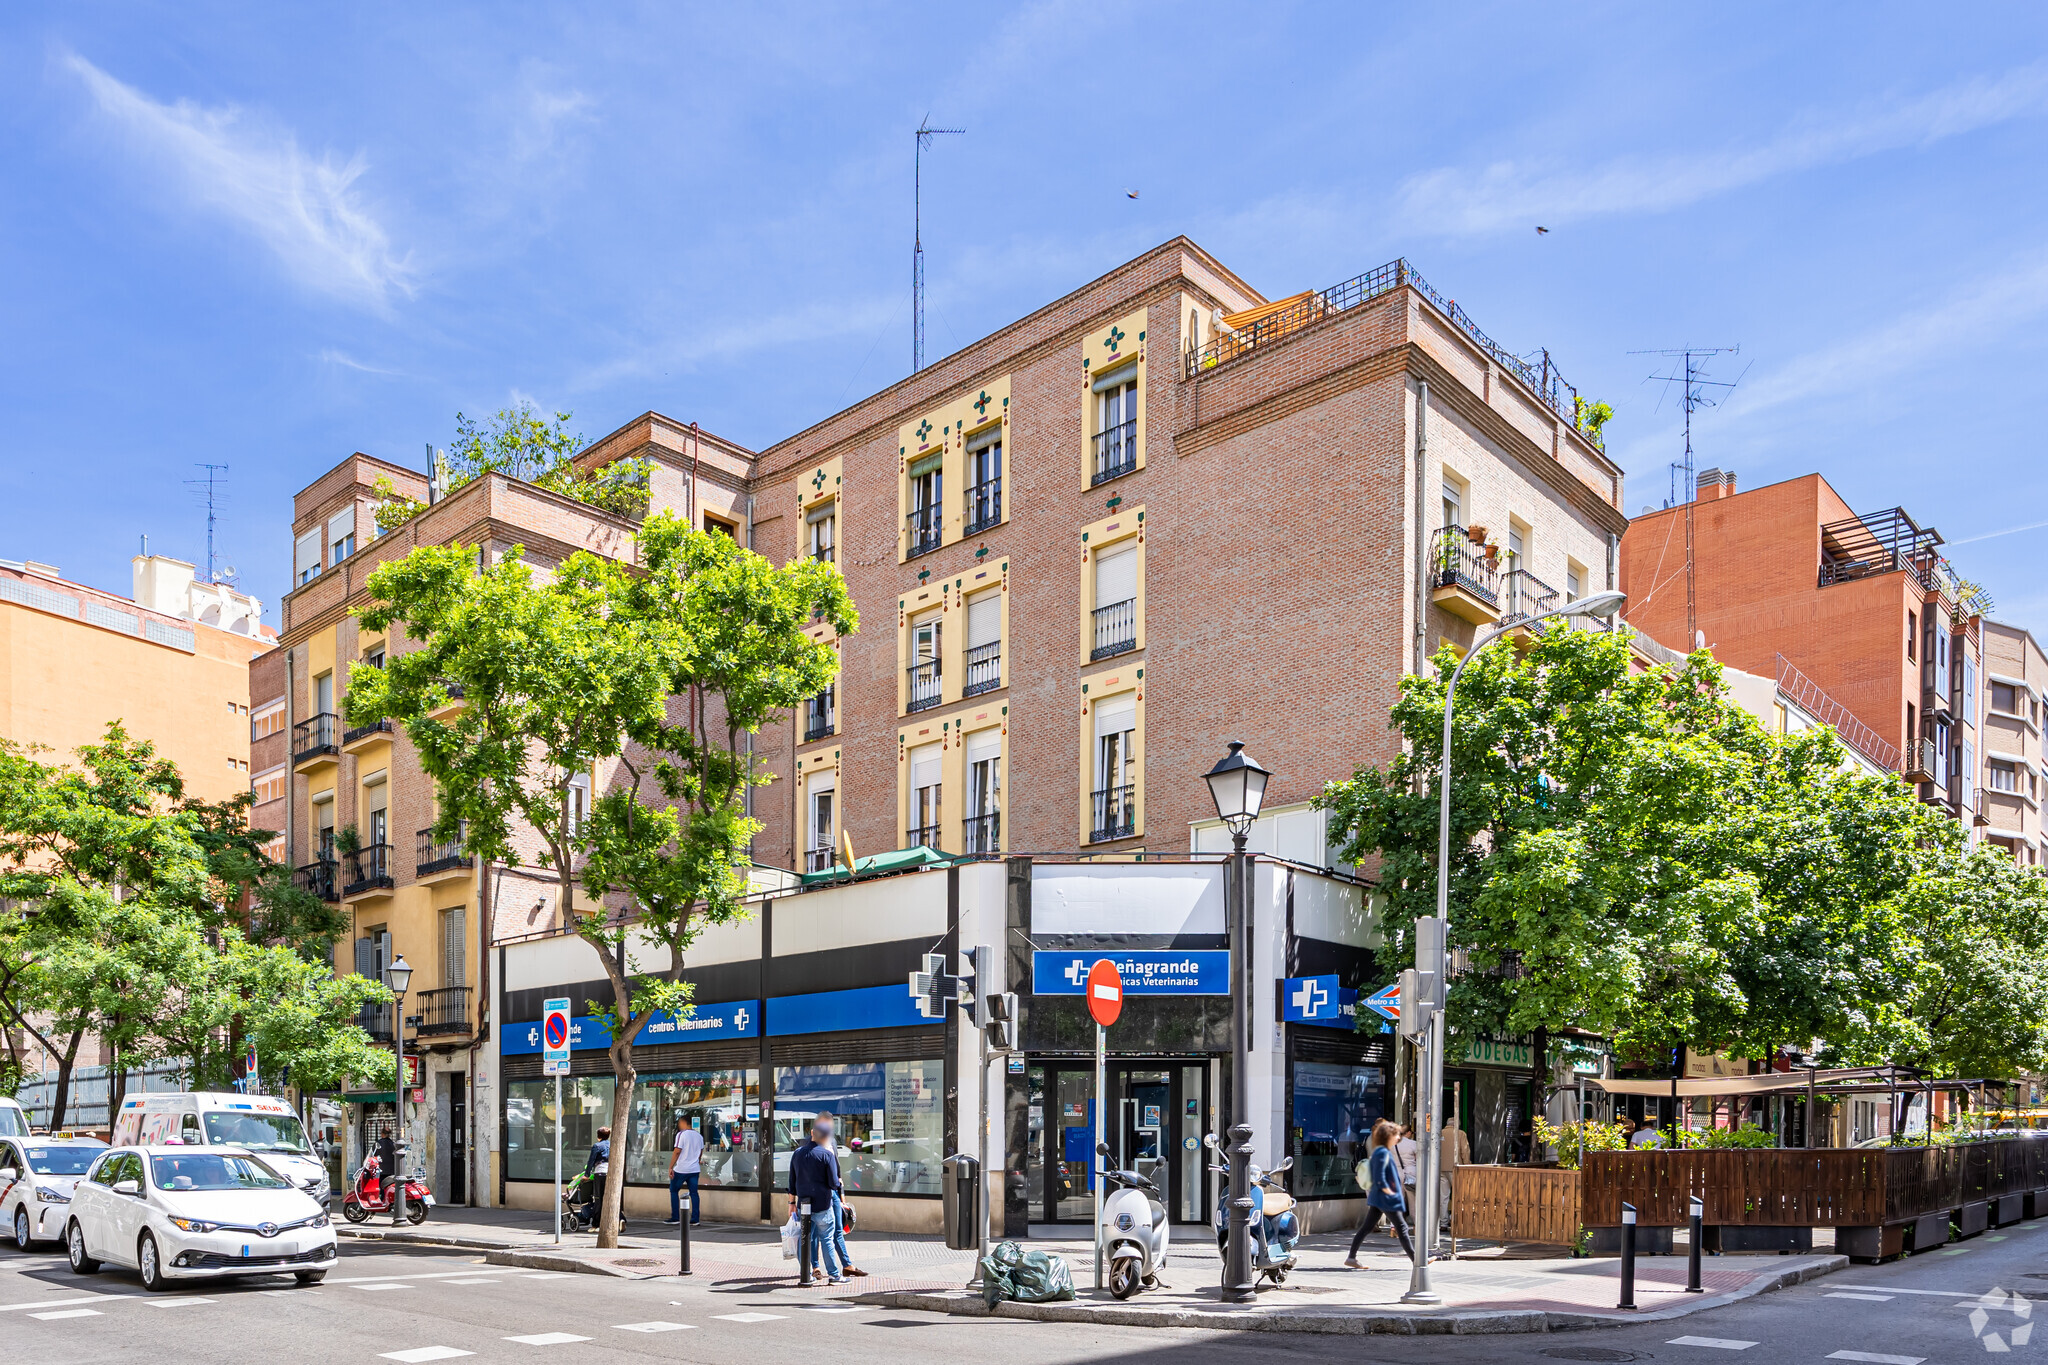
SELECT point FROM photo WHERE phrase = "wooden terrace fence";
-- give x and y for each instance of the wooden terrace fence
(1515, 1204)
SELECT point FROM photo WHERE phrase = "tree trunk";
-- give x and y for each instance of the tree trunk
(60, 1098)
(623, 1077)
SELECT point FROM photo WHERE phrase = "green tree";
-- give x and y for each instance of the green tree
(523, 443)
(564, 674)
(1977, 1003)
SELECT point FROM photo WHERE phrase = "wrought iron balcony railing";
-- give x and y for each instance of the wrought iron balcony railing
(984, 505)
(369, 868)
(1920, 761)
(1523, 595)
(926, 836)
(818, 715)
(927, 688)
(377, 1021)
(375, 727)
(316, 879)
(925, 525)
(817, 859)
(315, 736)
(1116, 813)
(982, 833)
(444, 1011)
(984, 669)
(1116, 451)
(1459, 563)
(438, 855)
(1116, 629)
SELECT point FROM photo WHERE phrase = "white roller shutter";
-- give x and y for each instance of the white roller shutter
(306, 554)
(821, 782)
(1117, 714)
(341, 525)
(1116, 576)
(983, 745)
(924, 767)
(984, 620)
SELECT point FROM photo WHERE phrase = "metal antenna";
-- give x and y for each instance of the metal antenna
(215, 474)
(1695, 382)
(925, 134)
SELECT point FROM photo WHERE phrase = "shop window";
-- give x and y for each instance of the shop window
(724, 1106)
(1335, 1107)
(530, 1125)
(893, 1111)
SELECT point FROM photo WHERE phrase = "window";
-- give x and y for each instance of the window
(984, 792)
(2001, 777)
(1116, 423)
(818, 715)
(1912, 632)
(530, 1124)
(925, 789)
(1968, 684)
(984, 643)
(821, 836)
(2005, 697)
(820, 523)
(1114, 814)
(893, 1110)
(1453, 500)
(720, 526)
(455, 947)
(926, 521)
(306, 557)
(380, 821)
(579, 801)
(984, 479)
(1517, 541)
(374, 657)
(1335, 1108)
(926, 685)
(1574, 581)
(341, 535)
(719, 1105)
(269, 784)
(1114, 627)
(323, 694)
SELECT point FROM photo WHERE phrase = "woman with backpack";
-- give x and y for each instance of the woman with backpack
(1383, 1197)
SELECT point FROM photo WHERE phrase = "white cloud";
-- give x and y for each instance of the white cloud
(308, 211)
(331, 356)
(1517, 194)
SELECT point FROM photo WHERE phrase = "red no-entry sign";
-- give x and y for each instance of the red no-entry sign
(1105, 992)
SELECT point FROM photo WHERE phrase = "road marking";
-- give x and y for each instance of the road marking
(366, 1288)
(176, 1303)
(59, 1303)
(1867, 1298)
(1875, 1359)
(833, 1307)
(1717, 1343)
(1994, 1237)
(546, 1275)
(653, 1327)
(372, 1279)
(478, 1279)
(1956, 1251)
(547, 1339)
(1932, 1293)
(420, 1353)
(68, 1313)
(748, 1317)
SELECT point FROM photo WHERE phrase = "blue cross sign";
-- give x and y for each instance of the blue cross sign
(1318, 1000)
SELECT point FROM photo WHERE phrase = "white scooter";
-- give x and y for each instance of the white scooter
(1133, 1231)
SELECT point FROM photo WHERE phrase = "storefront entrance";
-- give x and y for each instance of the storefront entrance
(1155, 1123)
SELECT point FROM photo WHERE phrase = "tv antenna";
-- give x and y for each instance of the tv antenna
(925, 134)
(215, 486)
(1692, 377)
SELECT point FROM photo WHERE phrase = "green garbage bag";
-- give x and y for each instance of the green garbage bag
(1011, 1272)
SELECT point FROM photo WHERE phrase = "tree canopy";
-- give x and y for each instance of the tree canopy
(523, 443)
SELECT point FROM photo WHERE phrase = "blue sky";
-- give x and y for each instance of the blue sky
(267, 236)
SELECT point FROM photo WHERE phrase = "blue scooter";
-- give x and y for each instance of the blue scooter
(1274, 1227)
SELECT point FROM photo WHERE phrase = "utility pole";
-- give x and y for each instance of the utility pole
(925, 134)
(1692, 378)
(215, 473)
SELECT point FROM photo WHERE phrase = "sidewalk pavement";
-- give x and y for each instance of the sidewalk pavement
(1484, 1290)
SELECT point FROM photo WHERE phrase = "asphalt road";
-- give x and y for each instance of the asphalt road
(393, 1305)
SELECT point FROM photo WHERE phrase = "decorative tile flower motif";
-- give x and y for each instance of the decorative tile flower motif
(924, 429)
(1115, 338)
(981, 403)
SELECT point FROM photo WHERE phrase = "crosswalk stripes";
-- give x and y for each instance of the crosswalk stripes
(652, 1327)
(1865, 1298)
(178, 1303)
(421, 1354)
(1872, 1358)
(1715, 1343)
(67, 1313)
(748, 1317)
(548, 1339)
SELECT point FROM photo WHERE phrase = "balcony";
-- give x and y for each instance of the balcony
(444, 1012)
(1981, 813)
(984, 506)
(375, 1020)
(818, 717)
(1524, 595)
(818, 859)
(1115, 814)
(984, 669)
(441, 860)
(1463, 580)
(982, 834)
(362, 737)
(316, 879)
(1920, 764)
(927, 688)
(923, 836)
(1116, 629)
(1116, 452)
(369, 872)
(314, 742)
(450, 708)
(924, 527)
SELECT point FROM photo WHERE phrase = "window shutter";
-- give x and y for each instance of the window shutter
(366, 958)
(821, 511)
(1116, 576)
(455, 947)
(986, 437)
(924, 767)
(984, 620)
(306, 554)
(1118, 377)
(925, 464)
(1116, 714)
(983, 745)
(341, 524)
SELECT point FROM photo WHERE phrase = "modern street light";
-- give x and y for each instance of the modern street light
(1601, 604)
(396, 977)
(1238, 785)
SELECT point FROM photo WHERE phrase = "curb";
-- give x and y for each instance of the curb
(495, 1253)
(1362, 1322)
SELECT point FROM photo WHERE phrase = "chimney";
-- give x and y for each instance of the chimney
(1714, 484)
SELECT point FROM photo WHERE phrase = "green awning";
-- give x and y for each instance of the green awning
(375, 1097)
(896, 860)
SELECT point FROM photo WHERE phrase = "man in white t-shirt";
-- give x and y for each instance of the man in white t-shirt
(683, 1171)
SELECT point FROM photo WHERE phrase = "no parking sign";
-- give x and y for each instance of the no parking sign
(554, 1037)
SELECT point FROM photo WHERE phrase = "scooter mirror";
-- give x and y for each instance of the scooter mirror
(1209, 1141)
(1282, 1166)
(1102, 1149)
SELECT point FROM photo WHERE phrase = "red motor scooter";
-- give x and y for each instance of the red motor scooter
(371, 1194)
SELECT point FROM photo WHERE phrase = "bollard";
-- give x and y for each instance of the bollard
(1692, 1268)
(1628, 1257)
(803, 1247)
(683, 1263)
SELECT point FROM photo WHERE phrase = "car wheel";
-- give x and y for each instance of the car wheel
(309, 1276)
(74, 1243)
(21, 1228)
(150, 1263)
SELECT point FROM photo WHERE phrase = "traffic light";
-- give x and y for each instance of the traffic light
(1002, 1024)
(977, 967)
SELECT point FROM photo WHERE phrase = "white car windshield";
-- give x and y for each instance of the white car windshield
(210, 1171)
(257, 1132)
(11, 1124)
(61, 1160)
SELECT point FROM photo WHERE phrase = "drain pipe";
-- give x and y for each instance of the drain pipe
(1421, 524)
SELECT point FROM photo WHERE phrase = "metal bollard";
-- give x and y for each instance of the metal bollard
(1628, 1257)
(1692, 1267)
(683, 1264)
(803, 1247)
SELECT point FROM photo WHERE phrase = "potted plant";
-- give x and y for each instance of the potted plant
(1476, 534)
(347, 842)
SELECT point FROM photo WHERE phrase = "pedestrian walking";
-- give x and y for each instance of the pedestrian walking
(813, 1187)
(684, 1170)
(1383, 1198)
(1408, 1159)
(839, 1221)
(597, 1166)
(1454, 1150)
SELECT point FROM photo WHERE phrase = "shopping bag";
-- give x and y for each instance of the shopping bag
(791, 1231)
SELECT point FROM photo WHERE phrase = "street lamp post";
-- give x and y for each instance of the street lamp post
(1430, 1083)
(1238, 785)
(397, 976)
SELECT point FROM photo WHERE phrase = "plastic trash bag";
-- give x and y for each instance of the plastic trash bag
(791, 1231)
(1011, 1272)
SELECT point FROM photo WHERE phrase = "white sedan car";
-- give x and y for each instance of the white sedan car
(178, 1213)
(37, 1176)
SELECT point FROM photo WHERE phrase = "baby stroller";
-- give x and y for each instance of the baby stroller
(579, 1204)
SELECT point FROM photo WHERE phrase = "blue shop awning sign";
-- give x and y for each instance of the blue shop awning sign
(737, 1019)
(1158, 971)
(1320, 1001)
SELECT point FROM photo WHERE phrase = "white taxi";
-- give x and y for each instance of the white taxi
(37, 1175)
(178, 1213)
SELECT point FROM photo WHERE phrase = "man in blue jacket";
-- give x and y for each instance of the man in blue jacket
(813, 1179)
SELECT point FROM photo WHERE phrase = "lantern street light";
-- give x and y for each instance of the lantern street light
(1431, 1082)
(396, 977)
(1238, 785)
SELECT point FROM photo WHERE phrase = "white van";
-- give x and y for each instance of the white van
(250, 1123)
(13, 1120)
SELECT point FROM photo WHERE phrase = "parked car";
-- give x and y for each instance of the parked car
(13, 1119)
(249, 1123)
(37, 1176)
(177, 1212)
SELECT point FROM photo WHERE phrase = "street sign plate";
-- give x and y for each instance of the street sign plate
(554, 1037)
(1105, 992)
(1386, 1001)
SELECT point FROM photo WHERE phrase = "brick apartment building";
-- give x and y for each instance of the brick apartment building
(1862, 605)
(2015, 764)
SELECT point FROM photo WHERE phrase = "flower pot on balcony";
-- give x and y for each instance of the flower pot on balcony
(1476, 534)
